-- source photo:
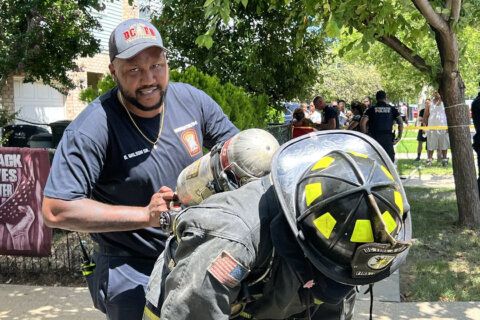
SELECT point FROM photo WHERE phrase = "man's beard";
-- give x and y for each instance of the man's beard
(137, 104)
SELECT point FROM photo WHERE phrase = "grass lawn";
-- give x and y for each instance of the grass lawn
(410, 146)
(443, 263)
(406, 166)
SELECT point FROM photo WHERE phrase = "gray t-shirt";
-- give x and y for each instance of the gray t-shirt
(103, 156)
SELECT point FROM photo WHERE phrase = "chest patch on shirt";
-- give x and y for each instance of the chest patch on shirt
(227, 270)
(190, 140)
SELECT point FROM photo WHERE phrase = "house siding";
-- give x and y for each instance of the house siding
(97, 64)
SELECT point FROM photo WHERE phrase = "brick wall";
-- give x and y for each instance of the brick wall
(97, 64)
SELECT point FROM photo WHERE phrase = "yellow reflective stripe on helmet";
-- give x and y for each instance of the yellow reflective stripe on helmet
(387, 173)
(389, 221)
(362, 231)
(325, 162)
(312, 192)
(398, 201)
(358, 154)
(325, 224)
(149, 315)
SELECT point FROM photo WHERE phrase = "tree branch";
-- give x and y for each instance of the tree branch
(456, 6)
(398, 46)
(433, 18)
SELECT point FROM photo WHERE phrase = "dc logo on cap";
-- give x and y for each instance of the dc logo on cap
(139, 31)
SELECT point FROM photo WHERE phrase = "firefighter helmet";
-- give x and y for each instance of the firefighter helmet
(345, 204)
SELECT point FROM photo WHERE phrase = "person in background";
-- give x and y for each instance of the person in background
(404, 113)
(329, 118)
(304, 107)
(334, 105)
(314, 115)
(358, 109)
(421, 135)
(380, 119)
(300, 124)
(435, 116)
(118, 162)
(367, 101)
(342, 116)
(476, 137)
(299, 118)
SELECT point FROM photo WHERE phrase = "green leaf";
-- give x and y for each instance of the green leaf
(332, 29)
(208, 42)
(225, 14)
(360, 9)
(207, 3)
(244, 2)
(200, 41)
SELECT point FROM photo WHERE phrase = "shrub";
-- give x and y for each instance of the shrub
(243, 109)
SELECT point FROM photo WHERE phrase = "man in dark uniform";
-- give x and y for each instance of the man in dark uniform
(380, 120)
(114, 158)
(285, 246)
(330, 116)
(476, 137)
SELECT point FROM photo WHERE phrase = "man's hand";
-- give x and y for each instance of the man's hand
(160, 202)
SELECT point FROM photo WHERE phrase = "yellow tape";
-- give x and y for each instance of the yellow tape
(427, 128)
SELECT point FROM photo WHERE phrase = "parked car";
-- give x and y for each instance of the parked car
(414, 108)
(288, 112)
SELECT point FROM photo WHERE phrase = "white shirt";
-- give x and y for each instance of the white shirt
(316, 117)
(437, 115)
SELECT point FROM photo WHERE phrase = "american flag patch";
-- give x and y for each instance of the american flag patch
(227, 270)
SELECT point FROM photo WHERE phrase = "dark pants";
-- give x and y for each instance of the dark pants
(118, 285)
(386, 141)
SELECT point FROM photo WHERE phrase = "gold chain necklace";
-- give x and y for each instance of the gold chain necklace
(154, 143)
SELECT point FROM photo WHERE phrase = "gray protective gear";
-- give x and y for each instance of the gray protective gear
(237, 224)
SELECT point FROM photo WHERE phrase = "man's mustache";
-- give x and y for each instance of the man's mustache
(159, 87)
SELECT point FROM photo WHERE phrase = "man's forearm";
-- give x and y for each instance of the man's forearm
(87, 215)
(400, 128)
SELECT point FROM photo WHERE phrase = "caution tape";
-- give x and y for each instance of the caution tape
(428, 128)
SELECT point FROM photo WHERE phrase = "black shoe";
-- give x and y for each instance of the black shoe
(417, 159)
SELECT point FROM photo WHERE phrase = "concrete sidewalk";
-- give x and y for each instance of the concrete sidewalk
(38, 303)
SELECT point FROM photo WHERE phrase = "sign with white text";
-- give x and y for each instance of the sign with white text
(23, 175)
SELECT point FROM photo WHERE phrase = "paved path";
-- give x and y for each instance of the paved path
(38, 303)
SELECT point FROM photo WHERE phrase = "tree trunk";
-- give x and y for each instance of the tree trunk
(452, 91)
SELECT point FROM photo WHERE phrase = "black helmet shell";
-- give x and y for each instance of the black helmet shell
(323, 181)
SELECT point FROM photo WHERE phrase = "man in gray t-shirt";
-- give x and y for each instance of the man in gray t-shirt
(118, 161)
